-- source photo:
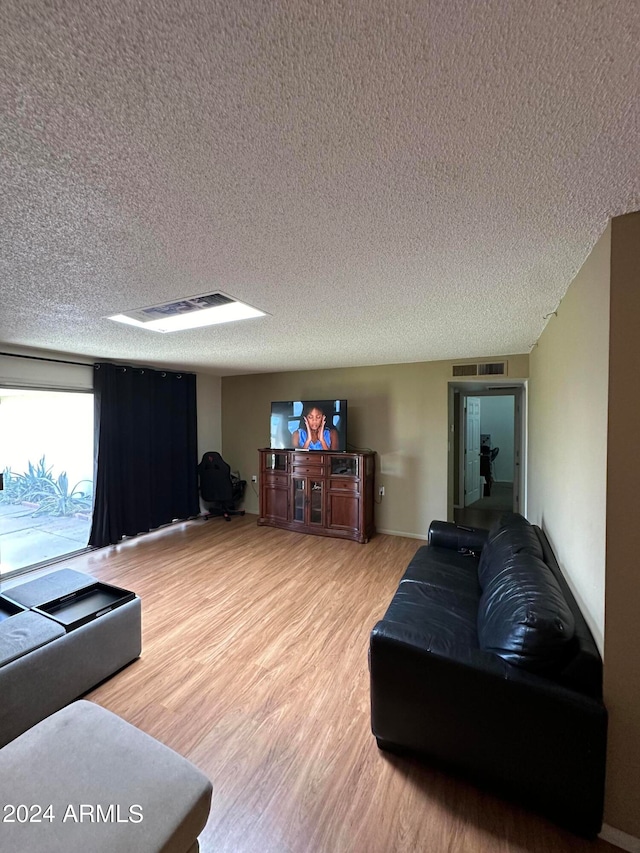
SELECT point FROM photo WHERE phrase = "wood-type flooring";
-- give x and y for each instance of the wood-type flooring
(254, 666)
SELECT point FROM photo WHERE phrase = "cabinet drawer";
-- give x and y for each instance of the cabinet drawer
(276, 478)
(308, 458)
(342, 483)
(310, 466)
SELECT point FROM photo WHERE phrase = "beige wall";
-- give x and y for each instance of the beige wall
(208, 393)
(398, 410)
(583, 475)
(622, 602)
(568, 394)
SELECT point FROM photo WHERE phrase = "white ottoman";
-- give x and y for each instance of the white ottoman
(85, 780)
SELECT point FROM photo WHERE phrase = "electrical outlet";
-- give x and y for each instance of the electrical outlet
(381, 491)
(254, 478)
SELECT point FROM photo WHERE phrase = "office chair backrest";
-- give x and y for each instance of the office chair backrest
(215, 478)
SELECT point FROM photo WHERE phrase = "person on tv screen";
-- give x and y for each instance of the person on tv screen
(316, 434)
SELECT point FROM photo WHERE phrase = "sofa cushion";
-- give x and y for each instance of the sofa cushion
(429, 612)
(445, 569)
(511, 534)
(524, 617)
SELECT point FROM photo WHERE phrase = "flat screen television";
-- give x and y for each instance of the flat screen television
(309, 425)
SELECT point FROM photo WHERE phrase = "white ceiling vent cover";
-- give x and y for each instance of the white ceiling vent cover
(189, 313)
(486, 368)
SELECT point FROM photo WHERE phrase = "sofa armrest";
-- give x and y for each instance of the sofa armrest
(445, 534)
(522, 734)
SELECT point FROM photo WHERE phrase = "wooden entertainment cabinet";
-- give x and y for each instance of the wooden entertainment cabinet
(325, 493)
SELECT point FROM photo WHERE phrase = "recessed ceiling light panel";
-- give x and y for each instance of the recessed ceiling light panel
(192, 312)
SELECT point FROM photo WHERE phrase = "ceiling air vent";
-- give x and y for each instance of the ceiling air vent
(189, 313)
(179, 306)
(486, 368)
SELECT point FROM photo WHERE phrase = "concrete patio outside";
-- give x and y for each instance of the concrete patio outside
(27, 540)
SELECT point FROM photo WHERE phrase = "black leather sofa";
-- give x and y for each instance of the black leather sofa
(484, 664)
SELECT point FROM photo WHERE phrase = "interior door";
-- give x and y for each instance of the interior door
(472, 451)
(518, 468)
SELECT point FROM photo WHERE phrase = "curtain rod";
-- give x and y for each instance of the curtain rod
(41, 358)
(88, 363)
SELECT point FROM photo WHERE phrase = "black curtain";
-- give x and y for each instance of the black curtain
(146, 450)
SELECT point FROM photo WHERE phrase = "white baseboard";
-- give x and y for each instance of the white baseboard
(402, 533)
(380, 530)
(620, 839)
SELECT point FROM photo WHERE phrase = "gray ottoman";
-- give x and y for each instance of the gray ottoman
(42, 667)
(85, 780)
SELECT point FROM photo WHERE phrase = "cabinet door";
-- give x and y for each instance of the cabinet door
(275, 461)
(344, 466)
(274, 487)
(316, 502)
(299, 499)
(344, 510)
(275, 502)
(308, 501)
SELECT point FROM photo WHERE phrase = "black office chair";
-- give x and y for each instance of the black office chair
(494, 453)
(219, 488)
(486, 469)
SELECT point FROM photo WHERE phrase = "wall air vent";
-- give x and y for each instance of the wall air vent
(189, 313)
(484, 368)
(493, 368)
(465, 369)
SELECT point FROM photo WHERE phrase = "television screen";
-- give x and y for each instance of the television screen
(309, 425)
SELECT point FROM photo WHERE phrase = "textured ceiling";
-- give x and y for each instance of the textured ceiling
(390, 181)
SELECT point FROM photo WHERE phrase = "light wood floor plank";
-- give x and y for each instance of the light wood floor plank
(254, 666)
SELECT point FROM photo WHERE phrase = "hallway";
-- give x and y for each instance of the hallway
(483, 512)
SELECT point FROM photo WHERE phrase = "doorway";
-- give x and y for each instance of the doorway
(488, 450)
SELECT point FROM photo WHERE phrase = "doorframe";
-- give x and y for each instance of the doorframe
(516, 388)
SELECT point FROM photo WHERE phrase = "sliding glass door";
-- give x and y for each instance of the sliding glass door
(46, 458)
